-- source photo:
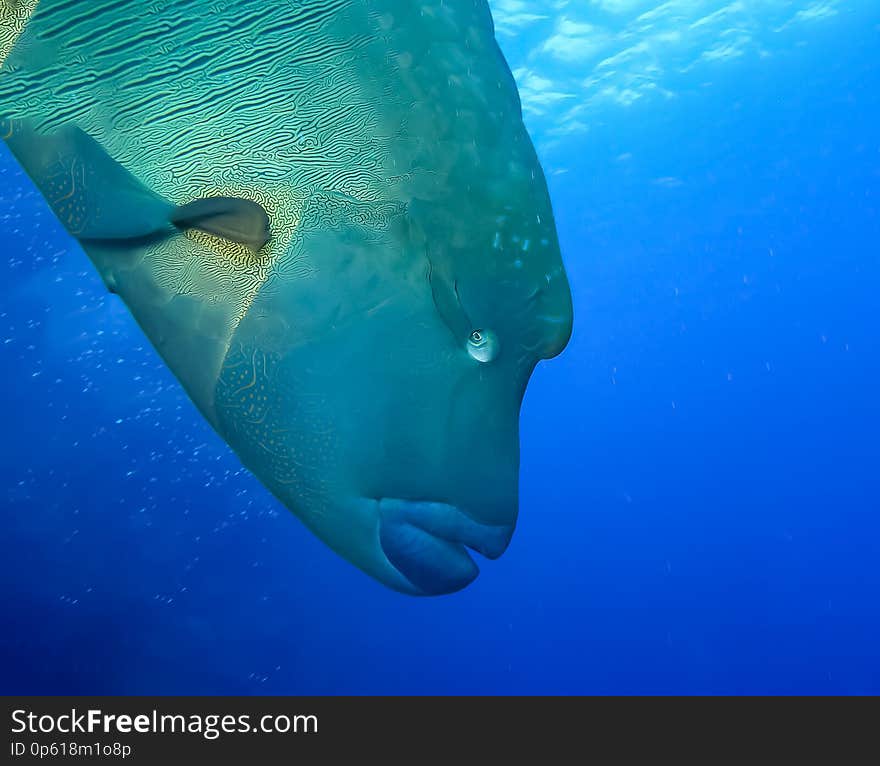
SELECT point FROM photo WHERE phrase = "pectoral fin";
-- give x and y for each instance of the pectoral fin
(96, 198)
(238, 220)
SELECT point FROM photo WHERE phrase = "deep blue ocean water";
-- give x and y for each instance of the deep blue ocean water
(700, 506)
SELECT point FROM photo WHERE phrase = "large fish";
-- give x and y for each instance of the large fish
(328, 218)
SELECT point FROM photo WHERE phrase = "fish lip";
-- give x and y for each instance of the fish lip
(449, 523)
(427, 543)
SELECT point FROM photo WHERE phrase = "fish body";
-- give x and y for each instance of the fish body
(329, 220)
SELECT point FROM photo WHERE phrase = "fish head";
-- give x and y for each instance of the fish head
(394, 373)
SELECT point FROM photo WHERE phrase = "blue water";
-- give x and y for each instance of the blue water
(700, 469)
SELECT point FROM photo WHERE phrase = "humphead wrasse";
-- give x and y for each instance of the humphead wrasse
(329, 220)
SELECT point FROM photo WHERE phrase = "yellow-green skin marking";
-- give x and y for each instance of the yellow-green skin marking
(329, 220)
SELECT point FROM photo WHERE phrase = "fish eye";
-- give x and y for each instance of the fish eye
(483, 346)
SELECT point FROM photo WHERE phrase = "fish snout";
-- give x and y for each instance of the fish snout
(427, 543)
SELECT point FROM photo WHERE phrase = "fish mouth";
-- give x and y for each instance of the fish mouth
(428, 543)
